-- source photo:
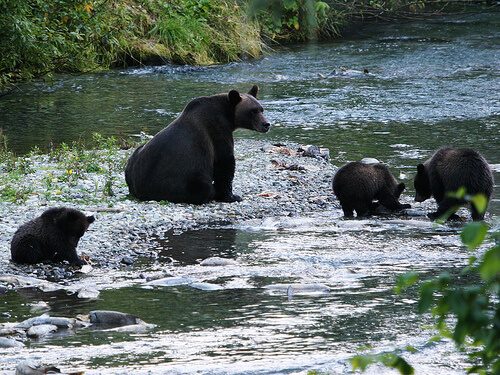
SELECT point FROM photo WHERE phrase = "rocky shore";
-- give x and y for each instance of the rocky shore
(273, 180)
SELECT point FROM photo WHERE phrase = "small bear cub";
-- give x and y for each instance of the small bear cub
(53, 236)
(357, 185)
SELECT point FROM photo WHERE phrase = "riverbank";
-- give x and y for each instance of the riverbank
(40, 37)
(273, 180)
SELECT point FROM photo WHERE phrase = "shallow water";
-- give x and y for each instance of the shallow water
(433, 84)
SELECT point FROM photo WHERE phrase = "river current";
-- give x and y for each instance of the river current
(431, 84)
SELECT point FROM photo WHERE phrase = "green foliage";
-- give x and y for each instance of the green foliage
(204, 31)
(391, 360)
(76, 172)
(292, 20)
(474, 307)
(39, 37)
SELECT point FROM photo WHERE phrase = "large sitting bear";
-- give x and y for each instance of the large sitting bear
(52, 236)
(192, 159)
(357, 185)
(448, 170)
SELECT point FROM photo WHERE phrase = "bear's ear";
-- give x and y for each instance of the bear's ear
(420, 168)
(254, 91)
(234, 97)
(401, 187)
(90, 219)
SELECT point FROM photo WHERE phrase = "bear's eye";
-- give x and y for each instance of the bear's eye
(254, 111)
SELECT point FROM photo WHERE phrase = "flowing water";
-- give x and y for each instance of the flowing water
(431, 84)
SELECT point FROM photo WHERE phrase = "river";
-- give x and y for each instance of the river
(431, 84)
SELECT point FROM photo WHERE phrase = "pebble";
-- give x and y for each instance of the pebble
(9, 343)
(41, 330)
(88, 293)
(127, 260)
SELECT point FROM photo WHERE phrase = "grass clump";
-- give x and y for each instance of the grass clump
(77, 173)
(205, 31)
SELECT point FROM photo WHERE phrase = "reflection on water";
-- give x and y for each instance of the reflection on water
(433, 84)
(194, 245)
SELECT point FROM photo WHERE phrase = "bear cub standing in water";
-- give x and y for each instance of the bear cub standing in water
(448, 170)
(357, 185)
(192, 159)
(52, 236)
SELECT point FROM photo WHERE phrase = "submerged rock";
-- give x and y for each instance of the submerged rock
(30, 367)
(370, 161)
(292, 289)
(46, 319)
(41, 330)
(10, 343)
(112, 318)
(40, 306)
(218, 261)
(26, 281)
(141, 327)
(172, 281)
(206, 286)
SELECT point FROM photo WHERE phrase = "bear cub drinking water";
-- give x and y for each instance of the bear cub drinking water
(52, 236)
(357, 185)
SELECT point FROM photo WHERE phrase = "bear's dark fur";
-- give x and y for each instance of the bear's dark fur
(448, 170)
(52, 236)
(357, 185)
(192, 159)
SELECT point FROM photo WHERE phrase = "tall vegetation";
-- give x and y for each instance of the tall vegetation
(38, 37)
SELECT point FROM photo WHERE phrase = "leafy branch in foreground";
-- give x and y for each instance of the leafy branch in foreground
(474, 309)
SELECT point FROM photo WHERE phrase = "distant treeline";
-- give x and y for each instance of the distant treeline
(40, 37)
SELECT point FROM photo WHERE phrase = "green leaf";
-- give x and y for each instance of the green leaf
(404, 281)
(426, 297)
(474, 234)
(490, 266)
(395, 361)
(362, 361)
(480, 202)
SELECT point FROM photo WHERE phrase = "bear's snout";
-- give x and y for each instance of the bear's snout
(264, 127)
(419, 198)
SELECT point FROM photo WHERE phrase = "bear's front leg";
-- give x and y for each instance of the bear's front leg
(446, 208)
(71, 256)
(223, 180)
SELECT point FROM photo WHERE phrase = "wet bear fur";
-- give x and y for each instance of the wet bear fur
(192, 159)
(53, 236)
(448, 170)
(357, 185)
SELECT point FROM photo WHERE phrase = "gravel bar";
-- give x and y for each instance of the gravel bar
(273, 180)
